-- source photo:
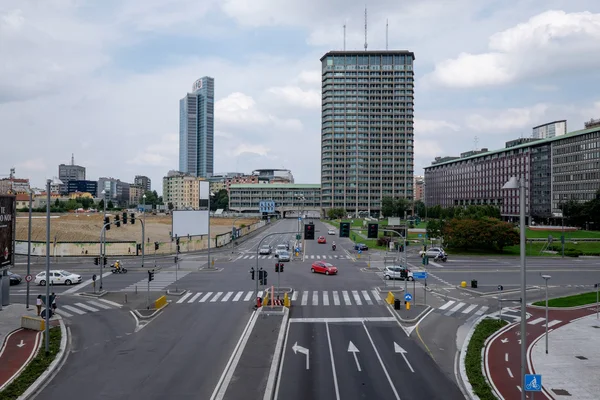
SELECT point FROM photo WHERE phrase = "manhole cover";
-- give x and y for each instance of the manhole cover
(561, 392)
(581, 357)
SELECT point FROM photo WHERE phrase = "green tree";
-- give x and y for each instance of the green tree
(101, 205)
(335, 213)
(435, 228)
(420, 208)
(57, 203)
(219, 200)
(394, 207)
(482, 234)
(110, 205)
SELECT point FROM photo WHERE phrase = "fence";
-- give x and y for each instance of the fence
(129, 248)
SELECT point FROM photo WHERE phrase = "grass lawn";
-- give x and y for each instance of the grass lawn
(533, 234)
(533, 249)
(570, 301)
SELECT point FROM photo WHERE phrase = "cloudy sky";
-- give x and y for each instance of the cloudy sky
(103, 79)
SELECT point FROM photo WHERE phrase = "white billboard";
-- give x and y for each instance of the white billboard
(189, 222)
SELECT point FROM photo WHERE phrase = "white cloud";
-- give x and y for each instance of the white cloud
(161, 153)
(298, 97)
(251, 148)
(512, 119)
(426, 126)
(550, 42)
(34, 165)
(312, 77)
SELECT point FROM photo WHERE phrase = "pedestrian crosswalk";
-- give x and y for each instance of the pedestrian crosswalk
(453, 308)
(161, 280)
(84, 307)
(539, 320)
(298, 298)
(306, 257)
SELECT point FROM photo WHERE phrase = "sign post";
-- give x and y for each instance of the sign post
(407, 299)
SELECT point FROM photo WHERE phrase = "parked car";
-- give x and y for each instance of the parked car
(398, 272)
(323, 268)
(14, 278)
(57, 277)
(284, 256)
(266, 249)
(331, 232)
(361, 247)
(321, 240)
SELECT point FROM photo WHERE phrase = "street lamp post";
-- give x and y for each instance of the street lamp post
(512, 184)
(232, 232)
(546, 278)
(48, 279)
(29, 246)
(144, 224)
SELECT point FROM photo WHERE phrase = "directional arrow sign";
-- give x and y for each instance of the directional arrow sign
(299, 349)
(21, 344)
(505, 340)
(398, 349)
(352, 349)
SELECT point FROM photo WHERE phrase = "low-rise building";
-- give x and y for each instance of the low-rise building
(135, 193)
(182, 190)
(419, 185)
(83, 186)
(289, 198)
(14, 185)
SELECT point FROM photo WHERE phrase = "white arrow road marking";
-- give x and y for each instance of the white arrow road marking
(302, 350)
(21, 344)
(398, 349)
(352, 349)
(505, 340)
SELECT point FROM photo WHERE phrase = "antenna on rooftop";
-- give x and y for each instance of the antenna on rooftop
(72, 158)
(365, 28)
(476, 141)
(344, 35)
(386, 34)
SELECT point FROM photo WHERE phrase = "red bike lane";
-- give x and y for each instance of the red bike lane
(503, 351)
(19, 348)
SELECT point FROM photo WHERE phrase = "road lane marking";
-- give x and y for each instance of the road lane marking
(341, 319)
(110, 303)
(63, 313)
(482, 310)
(336, 298)
(469, 309)
(356, 298)
(206, 296)
(185, 296)
(193, 299)
(325, 298)
(536, 321)
(376, 296)
(381, 362)
(98, 304)
(509, 372)
(295, 295)
(455, 309)
(335, 381)
(248, 296)
(304, 298)
(86, 307)
(506, 357)
(73, 309)
(227, 296)
(315, 298)
(216, 297)
(84, 284)
(238, 295)
(346, 298)
(366, 296)
(448, 304)
(552, 323)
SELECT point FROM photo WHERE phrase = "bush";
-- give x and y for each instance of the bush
(384, 241)
(573, 252)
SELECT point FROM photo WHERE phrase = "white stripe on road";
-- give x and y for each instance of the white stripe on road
(227, 296)
(336, 298)
(86, 307)
(73, 309)
(219, 294)
(185, 296)
(482, 310)
(84, 284)
(455, 309)
(448, 304)
(111, 303)
(469, 309)
(346, 298)
(536, 321)
(304, 298)
(206, 296)
(295, 295)
(248, 296)
(552, 323)
(376, 296)
(366, 296)
(98, 304)
(356, 298)
(193, 299)
(315, 299)
(238, 295)
(325, 299)
(63, 313)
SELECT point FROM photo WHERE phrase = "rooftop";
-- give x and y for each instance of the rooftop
(276, 186)
(368, 52)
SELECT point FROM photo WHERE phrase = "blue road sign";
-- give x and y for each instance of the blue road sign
(420, 235)
(299, 218)
(408, 297)
(533, 383)
(420, 275)
(297, 249)
(359, 251)
(267, 206)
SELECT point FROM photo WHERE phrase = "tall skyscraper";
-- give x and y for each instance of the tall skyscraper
(196, 129)
(367, 150)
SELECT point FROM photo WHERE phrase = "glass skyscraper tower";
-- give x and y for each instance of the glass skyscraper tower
(367, 150)
(196, 129)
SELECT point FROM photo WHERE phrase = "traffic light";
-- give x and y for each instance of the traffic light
(277, 267)
(118, 221)
(345, 229)
(96, 261)
(373, 231)
(178, 248)
(252, 273)
(107, 223)
(155, 246)
(264, 281)
(150, 276)
(309, 232)
(132, 216)
(105, 260)
(138, 247)
(281, 267)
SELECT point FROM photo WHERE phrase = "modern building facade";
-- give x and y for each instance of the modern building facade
(288, 198)
(550, 130)
(419, 188)
(83, 186)
(144, 182)
(70, 172)
(181, 190)
(555, 170)
(115, 190)
(196, 129)
(136, 192)
(367, 139)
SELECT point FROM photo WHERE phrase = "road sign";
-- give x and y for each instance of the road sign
(407, 297)
(500, 287)
(533, 383)
(29, 278)
(298, 237)
(299, 218)
(420, 235)
(420, 275)
(94, 276)
(359, 251)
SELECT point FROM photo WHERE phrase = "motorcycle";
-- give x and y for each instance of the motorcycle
(333, 247)
(120, 270)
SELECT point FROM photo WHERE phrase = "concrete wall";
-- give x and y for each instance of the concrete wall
(90, 249)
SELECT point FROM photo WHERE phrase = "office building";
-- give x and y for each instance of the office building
(367, 134)
(144, 182)
(181, 190)
(115, 190)
(246, 198)
(83, 186)
(70, 172)
(419, 188)
(196, 129)
(555, 170)
(136, 192)
(550, 130)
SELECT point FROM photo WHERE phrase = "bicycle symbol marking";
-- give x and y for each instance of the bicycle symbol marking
(533, 384)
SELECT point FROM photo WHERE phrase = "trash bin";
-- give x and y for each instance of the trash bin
(474, 284)
(397, 304)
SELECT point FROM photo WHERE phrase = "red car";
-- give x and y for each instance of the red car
(324, 268)
(322, 240)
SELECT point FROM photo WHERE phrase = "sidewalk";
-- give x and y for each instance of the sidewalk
(563, 373)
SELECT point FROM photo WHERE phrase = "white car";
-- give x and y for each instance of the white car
(57, 277)
(331, 232)
(433, 252)
(398, 272)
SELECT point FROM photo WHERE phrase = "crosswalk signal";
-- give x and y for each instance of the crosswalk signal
(105, 260)
(277, 267)
(309, 232)
(118, 221)
(345, 229)
(96, 261)
(107, 223)
(373, 231)
(124, 218)
(132, 216)
(155, 246)
(281, 267)
(252, 273)
(150, 276)
(177, 241)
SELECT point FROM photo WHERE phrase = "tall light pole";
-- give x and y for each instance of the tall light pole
(546, 278)
(104, 197)
(512, 184)
(144, 224)
(29, 245)
(48, 278)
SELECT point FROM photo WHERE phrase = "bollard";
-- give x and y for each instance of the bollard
(136, 289)
(408, 305)
(125, 297)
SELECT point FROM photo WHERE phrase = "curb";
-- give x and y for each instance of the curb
(412, 320)
(273, 378)
(154, 314)
(93, 295)
(562, 308)
(464, 380)
(175, 293)
(495, 293)
(46, 377)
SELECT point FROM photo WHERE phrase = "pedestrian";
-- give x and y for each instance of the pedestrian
(38, 304)
(53, 302)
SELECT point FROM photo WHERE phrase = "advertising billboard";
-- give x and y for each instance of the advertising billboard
(7, 230)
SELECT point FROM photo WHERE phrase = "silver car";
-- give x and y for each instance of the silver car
(398, 272)
(284, 256)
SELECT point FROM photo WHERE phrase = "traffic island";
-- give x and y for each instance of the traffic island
(491, 290)
(96, 294)
(177, 292)
(152, 310)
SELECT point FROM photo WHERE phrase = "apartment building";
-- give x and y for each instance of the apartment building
(182, 190)
(144, 182)
(419, 188)
(287, 197)
(367, 140)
